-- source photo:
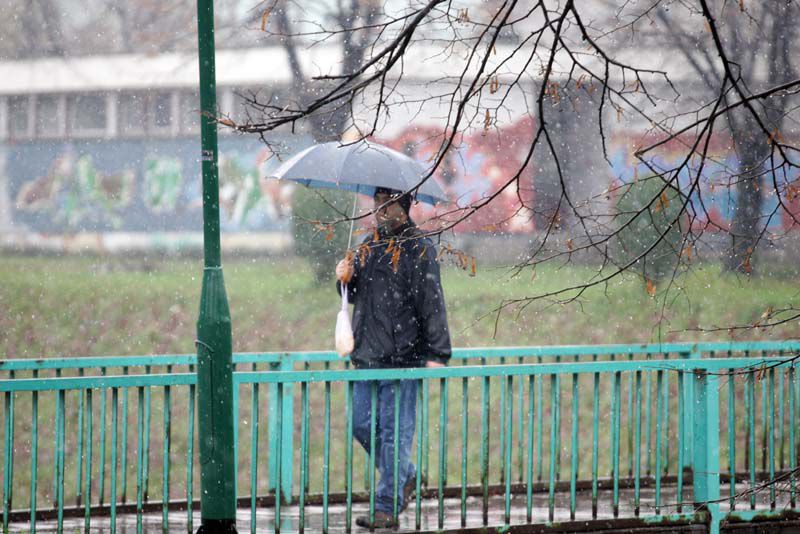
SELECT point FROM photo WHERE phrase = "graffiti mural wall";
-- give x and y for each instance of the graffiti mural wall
(713, 204)
(59, 187)
(140, 185)
(483, 163)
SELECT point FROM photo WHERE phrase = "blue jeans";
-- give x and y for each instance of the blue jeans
(384, 435)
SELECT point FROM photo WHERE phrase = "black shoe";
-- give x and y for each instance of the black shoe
(382, 520)
(408, 491)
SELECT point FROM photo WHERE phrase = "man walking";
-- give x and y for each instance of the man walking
(399, 320)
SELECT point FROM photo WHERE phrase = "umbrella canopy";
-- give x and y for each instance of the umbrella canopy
(359, 167)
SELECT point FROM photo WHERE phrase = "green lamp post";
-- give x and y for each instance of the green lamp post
(214, 343)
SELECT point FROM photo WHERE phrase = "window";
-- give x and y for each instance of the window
(190, 113)
(161, 112)
(48, 117)
(88, 114)
(19, 119)
(131, 113)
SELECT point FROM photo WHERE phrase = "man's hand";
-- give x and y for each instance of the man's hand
(433, 363)
(344, 270)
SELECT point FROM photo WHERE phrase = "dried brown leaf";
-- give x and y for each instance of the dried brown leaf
(265, 19)
(651, 288)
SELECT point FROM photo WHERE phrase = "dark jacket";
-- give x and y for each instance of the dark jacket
(399, 318)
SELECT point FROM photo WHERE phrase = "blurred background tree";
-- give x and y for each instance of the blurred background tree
(320, 245)
(651, 229)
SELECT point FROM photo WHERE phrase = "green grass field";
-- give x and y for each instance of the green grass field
(88, 306)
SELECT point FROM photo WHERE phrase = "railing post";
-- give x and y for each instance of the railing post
(706, 445)
(287, 433)
(689, 415)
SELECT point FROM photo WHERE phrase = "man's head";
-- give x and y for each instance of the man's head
(391, 207)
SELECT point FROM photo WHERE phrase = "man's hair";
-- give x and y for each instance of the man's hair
(403, 199)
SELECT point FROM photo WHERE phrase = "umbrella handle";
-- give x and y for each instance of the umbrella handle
(344, 297)
(352, 220)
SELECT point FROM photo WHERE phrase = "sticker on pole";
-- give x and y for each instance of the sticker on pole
(207, 155)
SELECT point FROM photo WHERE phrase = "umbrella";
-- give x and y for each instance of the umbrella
(358, 167)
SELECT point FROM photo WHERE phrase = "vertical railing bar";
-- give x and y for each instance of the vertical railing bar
(612, 407)
(595, 436)
(54, 494)
(189, 458)
(557, 409)
(507, 453)
(146, 457)
(764, 439)
(124, 445)
(553, 424)
(326, 456)
(8, 471)
(529, 492)
(167, 415)
(637, 467)
(630, 421)
(503, 409)
(87, 480)
(371, 463)
(648, 422)
(616, 402)
(520, 425)
(236, 419)
(304, 425)
(782, 428)
(35, 452)
(60, 458)
(573, 475)
(420, 445)
(114, 433)
(771, 439)
(732, 438)
(792, 446)
(539, 423)
(681, 441)
(659, 416)
(464, 447)
(485, 448)
(304, 474)
(688, 415)
(395, 449)
(425, 432)
(443, 390)
(139, 452)
(751, 423)
(254, 454)
(666, 420)
(747, 451)
(279, 461)
(348, 474)
(79, 457)
(101, 479)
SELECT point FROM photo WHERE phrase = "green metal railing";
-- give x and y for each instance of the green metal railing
(549, 420)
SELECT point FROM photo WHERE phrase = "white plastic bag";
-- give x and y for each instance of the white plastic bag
(344, 332)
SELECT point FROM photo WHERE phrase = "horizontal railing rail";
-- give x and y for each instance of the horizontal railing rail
(755, 348)
(623, 437)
